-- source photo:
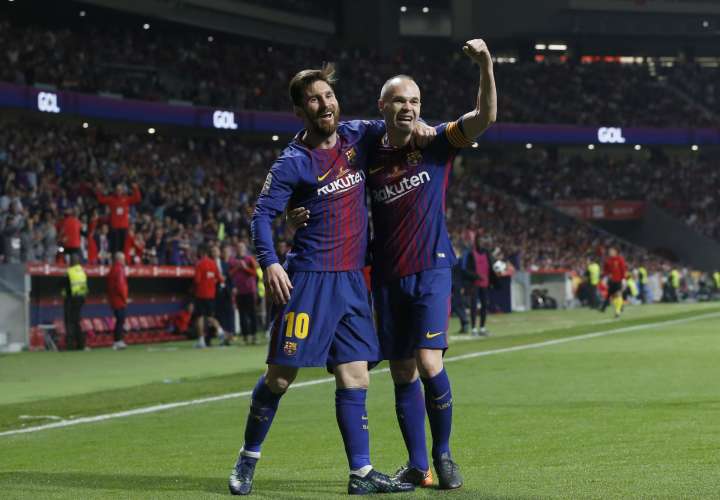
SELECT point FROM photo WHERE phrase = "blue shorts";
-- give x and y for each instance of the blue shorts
(413, 312)
(327, 322)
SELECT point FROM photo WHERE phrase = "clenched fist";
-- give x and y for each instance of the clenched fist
(477, 50)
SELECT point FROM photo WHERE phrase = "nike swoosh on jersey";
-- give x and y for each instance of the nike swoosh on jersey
(430, 335)
(374, 170)
(322, 177)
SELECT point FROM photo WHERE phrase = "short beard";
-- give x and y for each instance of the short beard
(325, 130)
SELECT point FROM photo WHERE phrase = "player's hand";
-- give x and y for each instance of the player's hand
(478, 51)
(422, 135)
(298, 217)
(278, 284)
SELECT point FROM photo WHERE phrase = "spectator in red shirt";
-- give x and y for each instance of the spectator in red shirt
(117, 290)
(180, 321)
(207, 278)
(615, 270)
(119, 205)
(243, 270)
(70, 233)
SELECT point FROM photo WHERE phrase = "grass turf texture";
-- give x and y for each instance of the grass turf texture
(627, 415)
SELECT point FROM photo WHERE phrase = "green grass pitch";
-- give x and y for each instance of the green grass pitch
(632, 412)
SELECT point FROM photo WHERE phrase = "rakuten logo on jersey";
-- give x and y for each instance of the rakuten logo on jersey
(391, 192)
(342, 184)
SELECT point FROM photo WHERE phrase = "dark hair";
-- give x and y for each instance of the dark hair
(307, 77)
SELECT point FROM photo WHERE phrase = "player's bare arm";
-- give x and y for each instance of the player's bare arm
(485, 113)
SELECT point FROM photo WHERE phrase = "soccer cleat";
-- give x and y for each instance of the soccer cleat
(376, 482)
(448, 472)
(412, 475)
(241, 478)
(119, 345)
(484, 332)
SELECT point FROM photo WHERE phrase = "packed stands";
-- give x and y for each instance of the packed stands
(249, 74)
(685, 185)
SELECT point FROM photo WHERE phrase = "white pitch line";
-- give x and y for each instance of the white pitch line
(308, 383)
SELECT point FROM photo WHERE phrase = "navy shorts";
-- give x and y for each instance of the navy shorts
(413, 312)
(327, 322)
(205, 307)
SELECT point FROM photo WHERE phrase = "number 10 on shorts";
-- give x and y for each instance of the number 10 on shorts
(297, 325)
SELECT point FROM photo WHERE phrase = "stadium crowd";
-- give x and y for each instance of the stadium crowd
(686, 186)
(528, 235)
(199, 190)
(252, 75)
(186, 194)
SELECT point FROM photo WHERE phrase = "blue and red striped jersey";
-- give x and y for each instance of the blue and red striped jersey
(330, 183)
(407, 190)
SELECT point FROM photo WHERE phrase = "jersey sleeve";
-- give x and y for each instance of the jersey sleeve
(450, 137)
(279, 185)
(364, 131)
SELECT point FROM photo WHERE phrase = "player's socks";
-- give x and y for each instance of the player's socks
(410, 410)
(362, 471)
(353, 422)
(606, 303)
(438, 402)
(263, 406)
(618, 302)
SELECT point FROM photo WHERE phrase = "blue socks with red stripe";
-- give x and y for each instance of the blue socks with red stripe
(353, 422)
(263, 406)
(438, 402)
(410, 410)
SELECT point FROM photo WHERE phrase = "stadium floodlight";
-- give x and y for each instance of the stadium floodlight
(211, 38)
(638, 147)
(151, 130)
(540, 46)
(528, 146)
(557, 46)
(694, 147)
(426, 10)
(82, 13)
(146, 26)
(85, 125)
(705, 23)
(591, 146)
(275, 138)
(403, 8)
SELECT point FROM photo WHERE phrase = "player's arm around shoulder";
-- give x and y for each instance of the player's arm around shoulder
(477, 121)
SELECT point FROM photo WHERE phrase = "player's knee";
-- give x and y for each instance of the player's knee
(429, 362)
(279, 378)
(403, 371)
(352, 376)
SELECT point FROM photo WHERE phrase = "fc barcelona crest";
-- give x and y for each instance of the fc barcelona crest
(414, 158)
(351, 156)
(290, 348)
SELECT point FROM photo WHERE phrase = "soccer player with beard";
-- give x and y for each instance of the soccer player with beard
(323, 315)
(412, 261)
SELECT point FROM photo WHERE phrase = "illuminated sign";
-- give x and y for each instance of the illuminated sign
(224, 119)
(48, 102)
(610, 135)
